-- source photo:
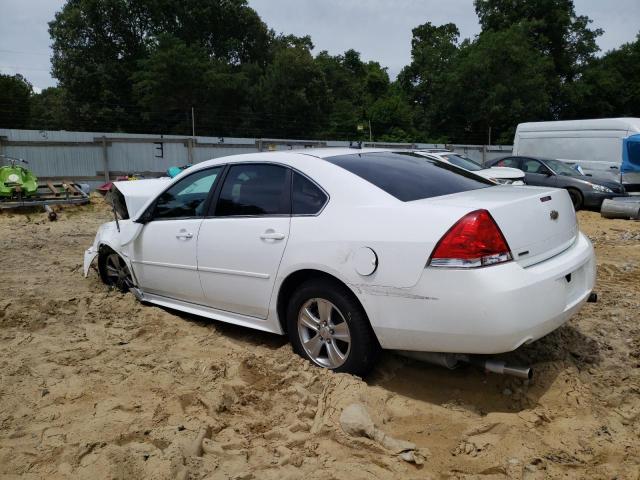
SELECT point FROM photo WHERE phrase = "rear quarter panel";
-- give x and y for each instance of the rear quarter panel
(402, 238)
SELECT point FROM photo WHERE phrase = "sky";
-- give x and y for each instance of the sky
(379, 29)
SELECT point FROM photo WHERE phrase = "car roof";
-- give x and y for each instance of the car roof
(336, 151)
(433, 150)
(534, 157)
(623, 123)
(285, 157)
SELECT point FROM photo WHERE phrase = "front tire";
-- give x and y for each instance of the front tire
(113, 270)
(576, 198)
(328, 327)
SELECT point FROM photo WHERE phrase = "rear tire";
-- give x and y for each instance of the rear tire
(113, 270)
(327, 326)
(576, 198)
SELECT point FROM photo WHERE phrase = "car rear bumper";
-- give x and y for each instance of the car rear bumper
(486, 310)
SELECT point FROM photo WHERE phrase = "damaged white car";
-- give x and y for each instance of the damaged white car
(350, 251)
(502, 175)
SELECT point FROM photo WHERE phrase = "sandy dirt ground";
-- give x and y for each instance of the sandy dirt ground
(95, 385)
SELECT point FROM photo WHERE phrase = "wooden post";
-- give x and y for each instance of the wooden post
(190, 151)
(105, 159)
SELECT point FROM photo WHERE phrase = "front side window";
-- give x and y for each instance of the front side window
(562, 168)
(533, 166)
(187, 198)
(307, 198)
(255, 189)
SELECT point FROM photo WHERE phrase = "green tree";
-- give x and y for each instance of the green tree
(555, 30)
(610, 85)
(98, 47)
(15, 93)
(498, 80)
(49, 110)
(291, 97)
(356, 91)
(433, 51)
(391, 118)
(552, 25)
(169, 82)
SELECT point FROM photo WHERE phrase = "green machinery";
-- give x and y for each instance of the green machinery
(19, 187)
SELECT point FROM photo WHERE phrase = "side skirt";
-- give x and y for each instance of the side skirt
(212, 313)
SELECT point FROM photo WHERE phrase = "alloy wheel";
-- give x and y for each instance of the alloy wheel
(324, 333)
(117, 272)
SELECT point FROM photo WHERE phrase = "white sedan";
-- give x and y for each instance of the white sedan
(349, 251)
(502, 175)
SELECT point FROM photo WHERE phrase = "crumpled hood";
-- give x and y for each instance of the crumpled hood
(137, 192)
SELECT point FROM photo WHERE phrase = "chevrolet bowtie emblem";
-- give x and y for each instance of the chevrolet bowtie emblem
(554, 214)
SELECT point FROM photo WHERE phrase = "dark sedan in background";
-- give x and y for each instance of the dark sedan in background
(585, 191)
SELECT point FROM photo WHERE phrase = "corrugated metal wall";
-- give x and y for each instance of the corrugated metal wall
(81, 156)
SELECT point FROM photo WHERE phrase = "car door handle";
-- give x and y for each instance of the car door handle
(272, 236)
(185, 235)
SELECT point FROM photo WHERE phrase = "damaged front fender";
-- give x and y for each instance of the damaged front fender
(116, 239)
(89, 256)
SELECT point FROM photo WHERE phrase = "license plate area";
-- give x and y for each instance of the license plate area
(574, 284)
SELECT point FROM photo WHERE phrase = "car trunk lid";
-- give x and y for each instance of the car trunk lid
(537, 223)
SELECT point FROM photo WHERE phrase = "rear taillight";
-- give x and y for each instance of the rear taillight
(474, 241)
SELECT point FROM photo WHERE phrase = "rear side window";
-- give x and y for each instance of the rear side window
(408, 176)
(255, 189)
(306, 198)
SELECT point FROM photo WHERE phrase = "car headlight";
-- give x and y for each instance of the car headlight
(600, 188)
(502, 181)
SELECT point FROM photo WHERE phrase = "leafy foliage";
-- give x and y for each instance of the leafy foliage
(15, 91)
(609, 86)
(142, 65)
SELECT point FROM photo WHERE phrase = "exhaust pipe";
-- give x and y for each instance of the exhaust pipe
(453, 360)
(500, 367)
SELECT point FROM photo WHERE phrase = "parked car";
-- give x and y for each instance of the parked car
(347, 252)
(608, 148)
(502, 175)
(585, 191)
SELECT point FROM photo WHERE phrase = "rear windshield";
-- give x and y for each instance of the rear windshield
(408, 176)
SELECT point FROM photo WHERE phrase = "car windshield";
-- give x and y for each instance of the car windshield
(463, 162)
(562, 168)
(409, 176)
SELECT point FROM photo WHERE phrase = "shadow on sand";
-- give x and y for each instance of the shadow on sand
(467, 387)
(470, 388)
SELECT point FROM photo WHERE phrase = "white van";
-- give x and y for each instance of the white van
(606, 148)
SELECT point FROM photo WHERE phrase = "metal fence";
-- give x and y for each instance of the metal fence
(94, 158)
